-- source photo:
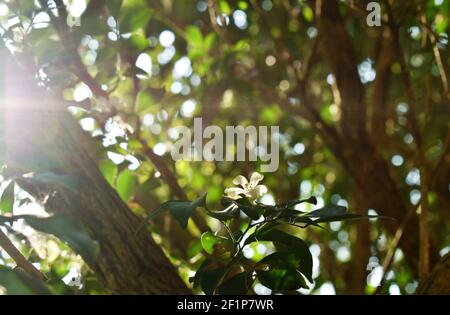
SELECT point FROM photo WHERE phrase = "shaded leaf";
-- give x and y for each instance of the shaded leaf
(311, 200)
(62, 180)
(237, 285)
(286, 242)
(114, 6)
(281, 279)
(328, 211)
(180, 210)
(211, 278)
(228, 213)
(7, 198)
(17, 283)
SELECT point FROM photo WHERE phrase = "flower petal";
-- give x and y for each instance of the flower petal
(240, 180)
(235, 192)
(261, 190)
(255, 179)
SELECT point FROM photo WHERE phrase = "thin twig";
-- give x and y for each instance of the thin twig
(387, 262)
(20, 259)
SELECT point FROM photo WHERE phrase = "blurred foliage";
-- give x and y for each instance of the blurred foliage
(156, 65)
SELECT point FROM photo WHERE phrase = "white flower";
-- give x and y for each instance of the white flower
(249, 189)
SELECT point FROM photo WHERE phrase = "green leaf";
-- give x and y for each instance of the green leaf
(208, 278)
(282, 279)
(195, 248)
(248, 208)
(237, 285)
(114, 7)
(209, 241)
(225, 7)
(66, 228)
(138, 42)
(335, 213)
(62, 180)
(7, 198)
(226, 214)
(209, 41)
(143, 101)
(308, 13)
(196, 279)
(327, 211)
(180, 210)
(13, 283)
(311, 200)
(194, 35)
(126, 184)
(109, 170)
(288, 243)
(134, 19)
(211, 278)
(17, 283)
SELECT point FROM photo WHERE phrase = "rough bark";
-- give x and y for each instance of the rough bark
(438, 282)
(40, 135)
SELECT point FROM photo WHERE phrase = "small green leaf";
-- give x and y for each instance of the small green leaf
(134, 19)
(225, 7)
(209, 41)
(144, 101)
(126, 184)
(138, 42)
(109, 170)
(194, 35)
(194, 248)
(7, 198)
(209, 241)
(180, 210)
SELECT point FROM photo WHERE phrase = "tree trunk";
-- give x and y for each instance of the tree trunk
(438, 282)
(40, 136)
(361, 158)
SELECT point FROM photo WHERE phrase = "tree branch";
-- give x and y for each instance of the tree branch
(338, 51)
(20, 259)
(381, 87)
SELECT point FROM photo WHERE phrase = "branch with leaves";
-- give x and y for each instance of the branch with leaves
(228, 271)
